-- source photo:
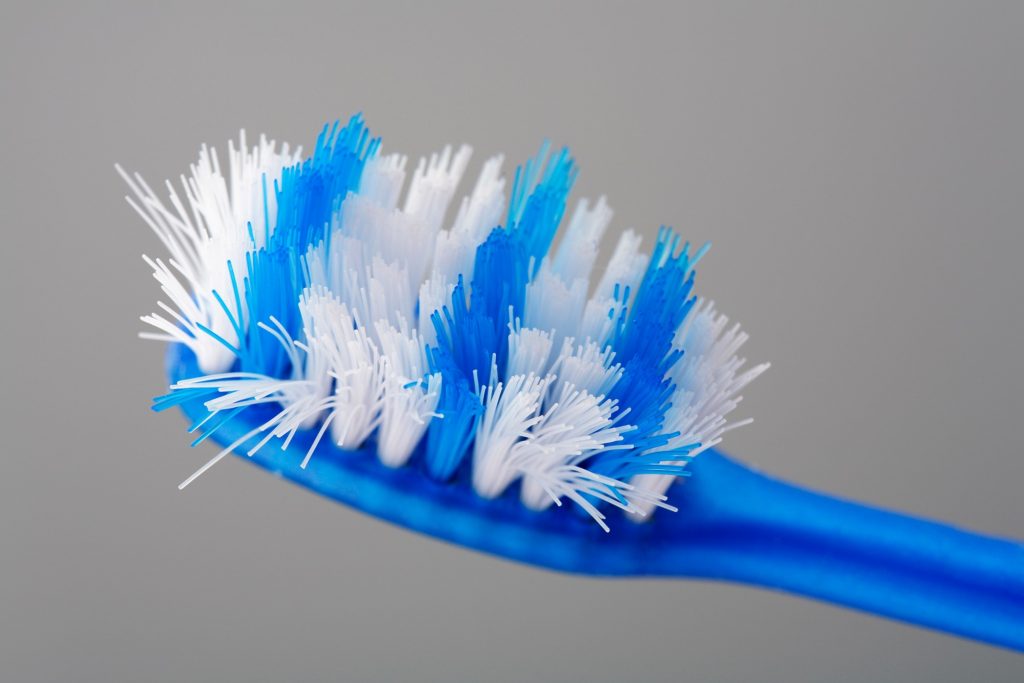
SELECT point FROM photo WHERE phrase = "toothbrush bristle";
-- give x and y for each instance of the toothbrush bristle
(464, 345)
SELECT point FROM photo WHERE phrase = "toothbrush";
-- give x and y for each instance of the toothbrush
(465, 380)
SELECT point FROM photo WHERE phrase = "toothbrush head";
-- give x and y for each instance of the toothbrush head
(457, 374)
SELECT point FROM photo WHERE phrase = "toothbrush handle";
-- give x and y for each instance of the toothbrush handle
(754, 529)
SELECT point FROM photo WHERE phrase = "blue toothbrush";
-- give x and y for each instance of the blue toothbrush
(733, 524)
(464, 383)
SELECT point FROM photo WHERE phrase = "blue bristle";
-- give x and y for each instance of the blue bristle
(272, 289)
(308, 196)
(212, 425)
(467, 338)
(450, 436)
(472, 334)
(466, 345)
(499, 287)
(660, 305)
(176, 398)
(535, 220)
(199, 395)
(311, 192)
(642, 339)
(525, 180)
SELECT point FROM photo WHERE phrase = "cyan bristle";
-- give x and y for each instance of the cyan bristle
(539, 219)
(525, 180)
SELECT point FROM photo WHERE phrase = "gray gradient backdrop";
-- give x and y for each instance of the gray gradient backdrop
(859, 169)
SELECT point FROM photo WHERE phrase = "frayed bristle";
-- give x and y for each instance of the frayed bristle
(346, 297)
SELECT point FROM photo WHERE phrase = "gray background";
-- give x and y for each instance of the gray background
(858, 168)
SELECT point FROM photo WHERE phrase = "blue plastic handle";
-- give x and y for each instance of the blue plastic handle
(733, 524)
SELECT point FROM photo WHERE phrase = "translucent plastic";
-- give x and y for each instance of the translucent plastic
(733, 524)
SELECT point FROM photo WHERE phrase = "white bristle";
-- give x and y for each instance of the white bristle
(626, 266)
(552, 304)
(333, 269)
(482, 210)
(434, 183)
(708, 380)
(599, 317)
(454, 255)
(381, 292)
(587, 366)
(529, 350)
(202, 234)
(579, 248)
(355, 364)
(580, 485)
(435, 293)
(575, 426)
(510, 409)
(304, 398)
(550, 459)
(408, 404)
(390, 235)
(383, 179)
(405, 415)
(478, 214)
